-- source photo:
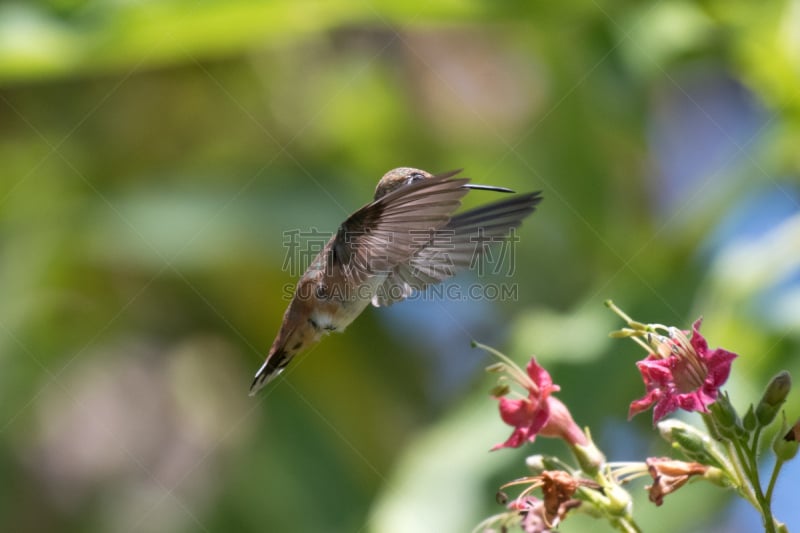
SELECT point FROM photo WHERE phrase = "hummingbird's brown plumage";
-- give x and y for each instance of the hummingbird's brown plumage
(404, 240)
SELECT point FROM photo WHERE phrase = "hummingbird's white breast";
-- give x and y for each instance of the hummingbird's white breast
(338, 317)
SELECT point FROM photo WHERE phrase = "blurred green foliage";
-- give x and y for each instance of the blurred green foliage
(153, 153)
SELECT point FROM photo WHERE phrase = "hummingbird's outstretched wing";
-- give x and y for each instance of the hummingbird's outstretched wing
(372, 241)
(455, 247)
(390, 230)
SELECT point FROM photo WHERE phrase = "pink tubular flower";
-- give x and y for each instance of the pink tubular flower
(682, 374)
(538, 413)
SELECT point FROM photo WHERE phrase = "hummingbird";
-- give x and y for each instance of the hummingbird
(406, 239)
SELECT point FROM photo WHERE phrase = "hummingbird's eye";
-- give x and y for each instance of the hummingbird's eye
(414, 177)
(321, 292)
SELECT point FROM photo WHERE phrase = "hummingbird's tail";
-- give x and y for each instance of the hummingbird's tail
(272, 368)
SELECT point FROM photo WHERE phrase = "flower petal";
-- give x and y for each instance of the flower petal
(719, 366)
(698, 341)
(643, 403)
(517, 439)
(541, 378)
(515, 412)
(666, 404)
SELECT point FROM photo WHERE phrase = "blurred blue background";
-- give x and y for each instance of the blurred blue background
(155, 152)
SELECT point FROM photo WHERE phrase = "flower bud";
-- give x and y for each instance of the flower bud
(713, 432)
(773, 398)
(785, 444)
(539, 463)
(728, 422)
(749, 420)
(589, 457)
(794, 433)
(536, 464)
(693, 443)
(784, 450)
(668, 427)
(619, 500)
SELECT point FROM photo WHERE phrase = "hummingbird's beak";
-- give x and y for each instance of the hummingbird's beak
(477, 187)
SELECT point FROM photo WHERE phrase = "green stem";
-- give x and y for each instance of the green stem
(742, 478)
(762, 503)
(745, 460)
(756, 437)
(754, 449)
(749, 478)
(733, 462)
(767, 499)
(773, 478)
(729, 465)
(615, 502)
(627, 525)
(621, 521)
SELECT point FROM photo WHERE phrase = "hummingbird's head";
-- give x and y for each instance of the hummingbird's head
(398, 177)
(402, 176)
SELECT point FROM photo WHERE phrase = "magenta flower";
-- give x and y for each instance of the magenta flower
(528, 415)
(538, 413)
(682, 374)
